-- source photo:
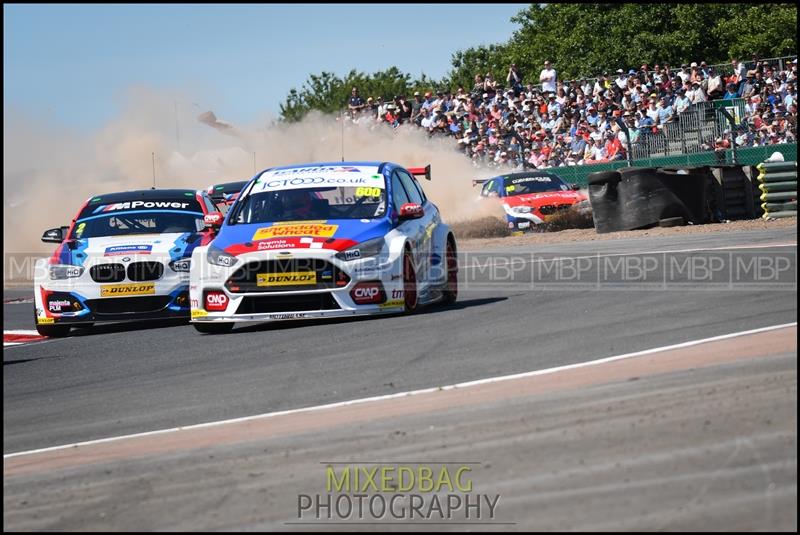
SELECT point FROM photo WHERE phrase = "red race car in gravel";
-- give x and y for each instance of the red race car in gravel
(532, 197)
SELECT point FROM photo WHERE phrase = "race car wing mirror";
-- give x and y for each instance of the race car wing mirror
(411, 210)
(54, 235)
(213, 220)
(575, 187)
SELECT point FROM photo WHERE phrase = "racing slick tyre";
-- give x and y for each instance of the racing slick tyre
(450, 293)
(213, 328)
(409, 283)
(53, 331)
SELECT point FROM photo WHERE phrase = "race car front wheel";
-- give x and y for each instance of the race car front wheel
(409, 283)
(213, 328)
(53, 331)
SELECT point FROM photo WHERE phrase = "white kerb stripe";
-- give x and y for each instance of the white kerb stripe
(23, 332)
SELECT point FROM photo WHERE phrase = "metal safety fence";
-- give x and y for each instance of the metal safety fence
(693, 130)
(578, 174)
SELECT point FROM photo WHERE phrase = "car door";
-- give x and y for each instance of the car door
(424, 226)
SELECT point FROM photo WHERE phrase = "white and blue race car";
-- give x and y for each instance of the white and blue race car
(324, 240)
(124, 256)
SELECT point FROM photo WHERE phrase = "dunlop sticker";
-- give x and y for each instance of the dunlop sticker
(120, 290)
(298, 229)
(199, 313)
(44, 321)
(292, 278)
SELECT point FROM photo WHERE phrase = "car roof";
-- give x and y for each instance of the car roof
(525, 174)
(145, 194)
(229, 187)
(379, 166)
(332, 164)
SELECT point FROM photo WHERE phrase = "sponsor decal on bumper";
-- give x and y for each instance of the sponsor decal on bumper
(291, 278)
(120, 290)
(198, 313)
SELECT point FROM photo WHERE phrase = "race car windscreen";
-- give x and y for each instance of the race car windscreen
(139, 217)
(533, 184)
(308, 204)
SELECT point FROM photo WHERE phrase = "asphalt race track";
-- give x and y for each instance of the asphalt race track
(519, 310)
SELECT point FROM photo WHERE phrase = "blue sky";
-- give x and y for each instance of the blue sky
(73, 63)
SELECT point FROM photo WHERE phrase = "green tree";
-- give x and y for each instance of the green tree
(493, 59)
(328, 93)
(581, 40)
(585, 39)
(768, 30)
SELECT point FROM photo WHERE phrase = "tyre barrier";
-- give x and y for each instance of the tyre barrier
(780, 206)
(734, 194)
(778, 184)
(642, 197)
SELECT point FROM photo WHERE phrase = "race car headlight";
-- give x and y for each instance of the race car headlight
(521, 209)
(61, 272)
(218, 257)
(362, 250)
(181, 266)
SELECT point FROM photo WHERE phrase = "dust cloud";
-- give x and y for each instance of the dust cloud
(50, 170)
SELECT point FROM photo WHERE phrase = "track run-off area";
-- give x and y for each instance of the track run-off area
(652, 379)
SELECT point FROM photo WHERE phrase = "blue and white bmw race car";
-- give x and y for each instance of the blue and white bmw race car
(125, 256)
(324, 240)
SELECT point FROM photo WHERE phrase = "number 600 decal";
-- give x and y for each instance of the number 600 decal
(368, 192)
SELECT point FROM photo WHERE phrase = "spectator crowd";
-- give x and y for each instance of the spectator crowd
(510, 124)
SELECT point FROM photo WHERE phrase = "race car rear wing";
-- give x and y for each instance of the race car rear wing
(421, 171)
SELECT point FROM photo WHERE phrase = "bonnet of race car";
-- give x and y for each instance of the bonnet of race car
(332, 234)
(537, 199)
(175, 245)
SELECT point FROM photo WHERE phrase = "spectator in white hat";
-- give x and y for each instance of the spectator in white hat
(621, 80)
